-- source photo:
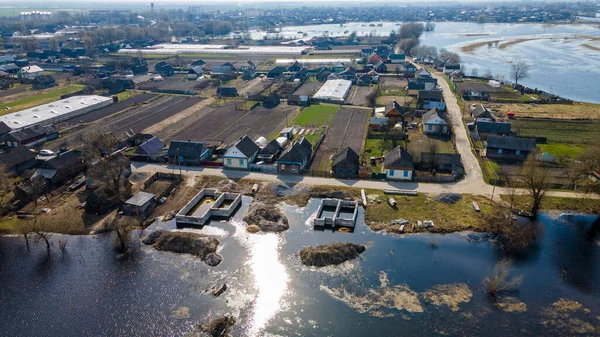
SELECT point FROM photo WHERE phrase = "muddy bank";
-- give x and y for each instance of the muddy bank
(267, 217)
(218, 327)
(204, 247)
(332, 254)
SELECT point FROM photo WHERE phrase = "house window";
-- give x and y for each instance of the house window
(429, 127)
(241, 162)
(518, 153)
(391, 173)
(228, 161)
(499, 151)
(405, 173)
(282, 166)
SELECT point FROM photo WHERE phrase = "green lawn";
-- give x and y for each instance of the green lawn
(561, 150)
(316, 115)
(39, 99)
(583, 205)
(127, 94)
(559, 131)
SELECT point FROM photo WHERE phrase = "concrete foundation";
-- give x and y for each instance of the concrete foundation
(335, 213)
(224, 205)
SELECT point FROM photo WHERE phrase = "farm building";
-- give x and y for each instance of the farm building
(150, 150)
(64, 166)
(393, 111)
(30, 136)
(43, 82)
(140, 204)
(397, 58)
(241, 154)
(227, 92)
(268, 153)
(509, 148)
(429, 99)
(485, 128)
(346, 164)
(481, 113)
(398, 164)
(55, 112)
(334, 90)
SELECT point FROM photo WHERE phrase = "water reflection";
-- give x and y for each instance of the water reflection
(269, 275)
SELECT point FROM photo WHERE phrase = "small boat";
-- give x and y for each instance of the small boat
(218, 291)
(524, 214)
(402, 229)
(419, 223)
(254, 188)
(428, 223)
(392, 201)
(476, 206)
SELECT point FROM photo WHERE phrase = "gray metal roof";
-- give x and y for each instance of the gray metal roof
(511, 143)
(140, 199)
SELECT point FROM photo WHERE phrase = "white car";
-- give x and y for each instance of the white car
(46, 153)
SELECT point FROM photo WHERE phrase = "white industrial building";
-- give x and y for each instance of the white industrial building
(54, 112)
(334, 90)
(173, 49)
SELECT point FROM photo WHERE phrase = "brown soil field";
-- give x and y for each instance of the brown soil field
(358, 95)
(394, 82)
(227, 124)
(308, 88)
(347, 130)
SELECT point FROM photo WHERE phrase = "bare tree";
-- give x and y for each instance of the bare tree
(499, 280)
(536, 179)
(123, 226)
(38, 227)
(448, 56)
(519, 71)
(433, 149)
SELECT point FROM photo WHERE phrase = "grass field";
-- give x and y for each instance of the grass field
(316, 115)
(582, 205)
(565, 137)
(39, 99)
(576, 110)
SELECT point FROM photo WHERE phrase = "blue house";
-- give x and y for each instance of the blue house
(187, 153)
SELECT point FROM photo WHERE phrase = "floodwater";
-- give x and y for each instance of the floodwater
(418, 284)
(560, 66)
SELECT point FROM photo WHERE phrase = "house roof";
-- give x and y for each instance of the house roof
(186, 149)
(511, 143)
(16, 156)
(140, 199)
(63, 160)
(272, 148)
(397, 57)
(31, 69)
(497, 127)
(393, 105)
(432, 114)
(422, 73)
(416, 85)
(9, 67)
(441, 158)
(299, 152)
(379, 64)
(30, 132)
(247, 146)
(150, 147)
(44, 79)
(481, 112)
(198, 63)
(431, 94)
(350, 71)
(220, 69)
(398, 158)
(346, 158)
(44, 173)
(196, 70)
(452, 66)
(225, 90)
(407, 64)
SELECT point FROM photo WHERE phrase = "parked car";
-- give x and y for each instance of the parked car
(46, 153)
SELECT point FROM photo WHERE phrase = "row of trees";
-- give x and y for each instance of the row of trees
(431, 53)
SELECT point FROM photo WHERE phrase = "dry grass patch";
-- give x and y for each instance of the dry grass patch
(577, 110)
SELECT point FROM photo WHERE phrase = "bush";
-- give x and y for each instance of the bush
(499, 280)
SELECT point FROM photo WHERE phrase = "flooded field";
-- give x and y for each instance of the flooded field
(421, 285)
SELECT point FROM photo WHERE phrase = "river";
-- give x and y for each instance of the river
(89, 290)
(561, 66)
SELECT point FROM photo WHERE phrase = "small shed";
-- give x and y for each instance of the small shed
(141, 204)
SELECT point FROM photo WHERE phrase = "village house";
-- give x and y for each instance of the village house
(394, 112)
(485, 128)
(187, 153)
(374, 59)
(441, 162)
(294, 158)
(413, 88)
(509, 148)
(380, 67)
(397, 58)
(364, 52)
(429, 99)
(60, 168)
(409, 69)
(429, 83)
(18, 160)
(398, 164)
(295, 66)
(164, 69)
(220, 70)
(150, 150)
(479, 113)
(269, 153)
(241, 154)
(248, 66)
(197, 63)
(422, 73)
(434, 123)
(194, 73)
(348, 74)
(276, 72)
(30, 72)
(451, 67)
(378, 123)
(346, 164)
(338, 68)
